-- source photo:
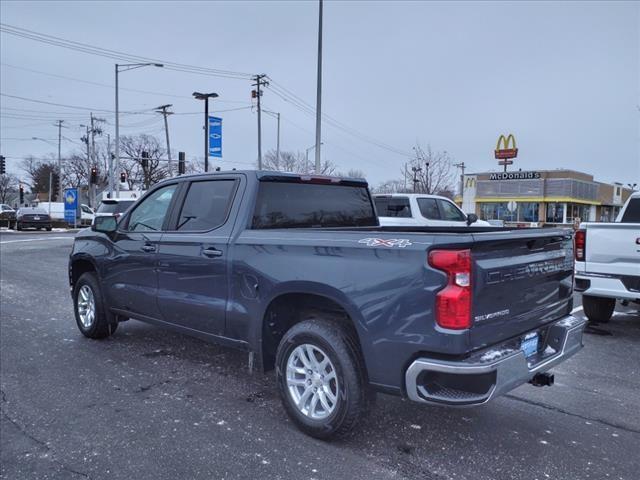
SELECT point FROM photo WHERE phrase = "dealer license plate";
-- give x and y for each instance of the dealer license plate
(36, 218)
(529, 344)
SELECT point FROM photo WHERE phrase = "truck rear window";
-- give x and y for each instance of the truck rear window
(393, 207)
(307, 205)
(632, 213)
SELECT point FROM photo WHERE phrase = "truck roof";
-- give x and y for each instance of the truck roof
(277, 175)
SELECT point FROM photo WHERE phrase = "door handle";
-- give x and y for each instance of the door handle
(148, 248)
(212, 252)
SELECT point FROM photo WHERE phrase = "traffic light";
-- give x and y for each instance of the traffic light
(123, 177)
(94, 176)
(21, 194)
(145, 160)
(3, 165)
(181, 165)
(55, 188)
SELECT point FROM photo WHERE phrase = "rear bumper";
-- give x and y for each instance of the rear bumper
(34, 224)
(609, 286)
(492, 372)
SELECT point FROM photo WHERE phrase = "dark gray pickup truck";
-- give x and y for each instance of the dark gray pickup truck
(297, 271)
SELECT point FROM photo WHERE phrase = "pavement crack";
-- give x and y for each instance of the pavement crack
(572, 414)
(144, 388)
(40, 443)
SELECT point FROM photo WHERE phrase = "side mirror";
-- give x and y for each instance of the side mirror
(471, 218)
(105, 224)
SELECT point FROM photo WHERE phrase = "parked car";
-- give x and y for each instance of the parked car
(608, 262)
(113, 207)
(7, 214)
(415, 209)
(56, 210)
(32, 217)
(296, 270)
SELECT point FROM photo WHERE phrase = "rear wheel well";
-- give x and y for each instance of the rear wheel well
(78, 268)
(289, 309)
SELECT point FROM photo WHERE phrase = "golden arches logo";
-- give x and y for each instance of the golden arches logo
(506, 147)
(470, 182)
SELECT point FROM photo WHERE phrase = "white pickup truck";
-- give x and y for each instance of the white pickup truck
(608, 262)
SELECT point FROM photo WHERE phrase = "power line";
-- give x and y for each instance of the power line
(90, 109)
(105, 85)
(117, 55)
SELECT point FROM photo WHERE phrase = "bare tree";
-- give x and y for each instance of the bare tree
(8, 185)
(434, 171)
(295, 162)
(139, 174)
(391, 186)
(352, 173)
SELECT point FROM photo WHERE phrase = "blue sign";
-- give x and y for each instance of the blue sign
(70, 204)
(215, 137)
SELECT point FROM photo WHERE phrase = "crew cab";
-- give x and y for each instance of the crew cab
(422, 210)
(608, 262)
(296, 270)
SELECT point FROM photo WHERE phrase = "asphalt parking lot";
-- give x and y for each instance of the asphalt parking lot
(152, 404)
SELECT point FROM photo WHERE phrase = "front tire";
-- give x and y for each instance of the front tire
(321, 378)
(92, 317)
(18, 226)
(598, 309)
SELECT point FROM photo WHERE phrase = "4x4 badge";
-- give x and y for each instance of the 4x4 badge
(386, 242)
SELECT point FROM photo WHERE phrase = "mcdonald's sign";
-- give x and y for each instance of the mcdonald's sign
(506, 147)
(470, 182)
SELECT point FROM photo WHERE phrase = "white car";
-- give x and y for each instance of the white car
(608, 262)
(421, 210)
(56, 210)
(114, 206)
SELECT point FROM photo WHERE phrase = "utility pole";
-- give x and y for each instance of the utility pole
(278, 142)
(259, 83)
(415, 170)
(319, 90)
(461, 166)
(59, 162)
(117, 134)
(163, 110)
(426, 179)
(110, 163)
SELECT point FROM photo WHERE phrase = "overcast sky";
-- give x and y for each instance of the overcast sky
(564, 78)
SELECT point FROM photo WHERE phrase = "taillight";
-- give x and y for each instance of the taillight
(453, 302)
(580, 241)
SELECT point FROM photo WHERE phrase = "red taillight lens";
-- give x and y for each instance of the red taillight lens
(580, 241)
(453, 302)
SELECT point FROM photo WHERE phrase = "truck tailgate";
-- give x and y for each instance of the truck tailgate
(612, 248)
(521, 281)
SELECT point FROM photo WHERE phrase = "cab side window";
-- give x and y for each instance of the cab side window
(448, 211)
(150, 214)
(428, 208)
(206, 205)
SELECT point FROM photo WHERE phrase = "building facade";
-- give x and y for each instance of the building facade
(555, 197)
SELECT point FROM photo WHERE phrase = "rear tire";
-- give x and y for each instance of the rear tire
(49, 229)
(598, 309)
(339, 388)
(92, 317)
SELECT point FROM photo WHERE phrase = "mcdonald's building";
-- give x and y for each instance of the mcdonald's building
(541, 197)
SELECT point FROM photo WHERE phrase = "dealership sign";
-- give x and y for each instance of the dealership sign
(515, 176)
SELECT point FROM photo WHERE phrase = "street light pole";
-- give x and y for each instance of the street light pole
(59, 161)
(125, 67)
(306, 159)
(319, 90)
(117, 167)
(205, 97)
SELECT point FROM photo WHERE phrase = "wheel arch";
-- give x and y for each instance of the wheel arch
(297, 301)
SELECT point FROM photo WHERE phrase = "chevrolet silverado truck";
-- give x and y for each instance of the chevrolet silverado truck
(296, 270)
(608, 262)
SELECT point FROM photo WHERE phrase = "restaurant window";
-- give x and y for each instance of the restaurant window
(577, 210)
(528, 211)
(555, 212)
(497, 211)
